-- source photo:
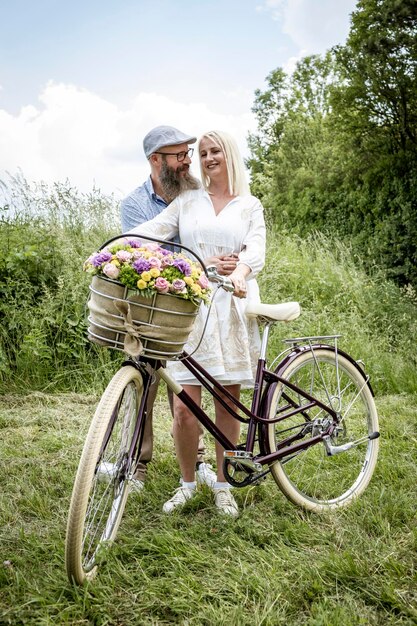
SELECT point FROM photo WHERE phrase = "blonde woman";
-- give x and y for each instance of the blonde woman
(220, 222)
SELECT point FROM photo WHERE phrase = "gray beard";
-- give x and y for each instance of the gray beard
(173, 182)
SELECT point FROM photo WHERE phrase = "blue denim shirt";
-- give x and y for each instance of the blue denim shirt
(140, 206)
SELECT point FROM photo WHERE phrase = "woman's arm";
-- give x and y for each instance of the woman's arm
(253, 245)
(163, 226)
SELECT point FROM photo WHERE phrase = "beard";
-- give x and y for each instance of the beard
(174, 181)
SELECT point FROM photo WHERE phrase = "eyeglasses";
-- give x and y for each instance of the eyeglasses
(180, 155)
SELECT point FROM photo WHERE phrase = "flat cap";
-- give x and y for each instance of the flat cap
(164, 136)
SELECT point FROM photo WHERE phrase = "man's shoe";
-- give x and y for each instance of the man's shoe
(180, 497)
(225, 502)
(205, 475)
(136, 485)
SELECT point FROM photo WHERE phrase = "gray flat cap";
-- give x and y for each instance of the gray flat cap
(164, 136)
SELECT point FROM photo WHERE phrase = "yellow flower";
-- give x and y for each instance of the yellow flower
(141, 284)
(115, 262)
(196, 289)
(146, 276)
(154, 272)
(188, 280)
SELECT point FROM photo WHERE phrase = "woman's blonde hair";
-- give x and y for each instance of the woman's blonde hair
(238, 185)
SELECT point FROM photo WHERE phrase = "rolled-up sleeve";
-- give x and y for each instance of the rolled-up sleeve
(253, 252)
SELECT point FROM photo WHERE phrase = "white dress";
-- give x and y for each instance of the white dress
(230, 347)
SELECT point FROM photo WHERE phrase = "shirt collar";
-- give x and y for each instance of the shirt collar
(152, 193)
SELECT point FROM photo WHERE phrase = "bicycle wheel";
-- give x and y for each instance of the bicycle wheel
(101, 484)
(311, 478)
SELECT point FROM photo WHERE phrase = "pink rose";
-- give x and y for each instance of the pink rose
(162, 285)
(123, 255)
(111, 271)
(151, 246)
(154, 262)
(203, 281)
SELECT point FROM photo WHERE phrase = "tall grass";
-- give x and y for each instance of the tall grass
(47, 232)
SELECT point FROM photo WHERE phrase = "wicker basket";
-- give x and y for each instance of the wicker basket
(119, 318)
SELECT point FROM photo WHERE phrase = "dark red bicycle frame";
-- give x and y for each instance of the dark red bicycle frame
(265, 382)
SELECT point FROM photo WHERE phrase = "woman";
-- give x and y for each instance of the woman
(219, 221)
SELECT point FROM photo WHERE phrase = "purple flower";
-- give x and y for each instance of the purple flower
(134, 243)
(141, 265)
(183, 266)
(178, 285)
(101, 257)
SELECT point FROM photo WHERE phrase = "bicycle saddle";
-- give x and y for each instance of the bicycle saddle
(284, 312)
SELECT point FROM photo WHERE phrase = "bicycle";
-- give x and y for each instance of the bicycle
(312, 424)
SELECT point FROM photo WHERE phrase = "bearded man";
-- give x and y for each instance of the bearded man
(169, 156)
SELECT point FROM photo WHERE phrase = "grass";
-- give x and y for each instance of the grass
(273, 565)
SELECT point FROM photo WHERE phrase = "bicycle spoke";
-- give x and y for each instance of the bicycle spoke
(312, 478)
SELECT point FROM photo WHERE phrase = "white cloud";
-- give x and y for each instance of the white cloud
(75, 134)
(290, 64)
(313, 25)
(275, 7)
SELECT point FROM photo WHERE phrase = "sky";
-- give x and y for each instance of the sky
(82, 82)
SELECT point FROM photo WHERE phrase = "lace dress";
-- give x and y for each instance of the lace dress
(230, 347)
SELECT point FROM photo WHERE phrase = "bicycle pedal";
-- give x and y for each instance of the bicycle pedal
(243, 458)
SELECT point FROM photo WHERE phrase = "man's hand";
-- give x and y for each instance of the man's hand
(225, 265)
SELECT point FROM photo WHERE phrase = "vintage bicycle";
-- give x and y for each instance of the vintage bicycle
(312, 425)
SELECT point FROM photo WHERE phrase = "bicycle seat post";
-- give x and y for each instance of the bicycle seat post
(264, 343)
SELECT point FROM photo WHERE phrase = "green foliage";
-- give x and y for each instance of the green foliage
(274, 565)
(43, 338)
(45, 235)
(336, 147)
(376, 318)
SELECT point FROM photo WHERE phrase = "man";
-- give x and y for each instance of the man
(167, 150)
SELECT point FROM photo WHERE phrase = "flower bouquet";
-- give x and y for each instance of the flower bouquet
(144, 298)
(149, 269)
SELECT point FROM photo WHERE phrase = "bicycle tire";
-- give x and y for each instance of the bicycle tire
(101, 485)
(312, 479)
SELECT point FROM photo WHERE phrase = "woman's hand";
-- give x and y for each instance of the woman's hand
(238, 278)
(225, 264)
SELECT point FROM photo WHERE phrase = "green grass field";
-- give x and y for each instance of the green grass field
(273, 565)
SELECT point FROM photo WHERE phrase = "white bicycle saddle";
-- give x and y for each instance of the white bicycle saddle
(284, 312)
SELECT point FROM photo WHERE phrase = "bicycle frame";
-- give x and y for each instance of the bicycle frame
(265, 383)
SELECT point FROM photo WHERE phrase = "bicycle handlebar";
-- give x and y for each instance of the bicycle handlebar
(224, 281)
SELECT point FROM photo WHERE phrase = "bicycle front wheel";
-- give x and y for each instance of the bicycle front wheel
(311, 478)
(101, 484)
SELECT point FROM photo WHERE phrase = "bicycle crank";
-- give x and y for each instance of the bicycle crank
(241, 470)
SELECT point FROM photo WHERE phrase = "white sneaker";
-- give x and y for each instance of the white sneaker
(136, 485)
(225, 502)
(180, 497)
(205, 475)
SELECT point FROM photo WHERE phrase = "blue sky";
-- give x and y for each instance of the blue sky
(82, 82)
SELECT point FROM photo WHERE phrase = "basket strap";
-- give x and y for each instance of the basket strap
(132, 342)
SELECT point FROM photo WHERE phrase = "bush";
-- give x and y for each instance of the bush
(47, 233)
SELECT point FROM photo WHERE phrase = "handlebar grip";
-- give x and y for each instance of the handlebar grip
(224, 281)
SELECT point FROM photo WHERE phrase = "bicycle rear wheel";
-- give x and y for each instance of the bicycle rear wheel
(311, 478)
(101, 484)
